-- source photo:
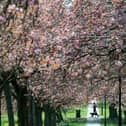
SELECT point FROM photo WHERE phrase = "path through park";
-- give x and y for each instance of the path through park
(92, 121)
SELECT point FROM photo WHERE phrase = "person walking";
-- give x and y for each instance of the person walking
(94, 108)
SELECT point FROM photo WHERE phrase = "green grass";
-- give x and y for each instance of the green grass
(75, 122)
(71, 112)
(109, 122)
(112, 123)
(101, 110)
(70, 116)
(4, 121)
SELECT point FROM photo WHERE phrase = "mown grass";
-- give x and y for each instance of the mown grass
(69, 116)
(75, 122)
(110, 122)
(4, 121)
(71, 112)
(70, 119)
(102, 110)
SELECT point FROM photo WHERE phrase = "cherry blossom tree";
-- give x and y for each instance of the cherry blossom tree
(56, 53)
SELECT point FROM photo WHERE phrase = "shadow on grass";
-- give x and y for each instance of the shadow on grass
(112, 122)
(93, 120)
(73, 122)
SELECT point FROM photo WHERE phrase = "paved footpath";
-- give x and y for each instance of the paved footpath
(92, 121)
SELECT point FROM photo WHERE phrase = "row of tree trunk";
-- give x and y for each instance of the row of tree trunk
(113, 113)
(29, 113)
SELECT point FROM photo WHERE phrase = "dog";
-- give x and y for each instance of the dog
(94, 114)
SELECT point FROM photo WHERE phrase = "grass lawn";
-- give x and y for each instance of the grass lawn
(109, 122)
(70, 116)
(112, 123)
(4, 121)
(71, 112)
(75, 122)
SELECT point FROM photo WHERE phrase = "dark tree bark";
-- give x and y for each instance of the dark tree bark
(59, 116)
(102, 109)
(0, 100)
(22, 107)
(30, 116)
(0, 106)
(112, 111)
(37, 115)
(9, 105)
(34, 113)
(125, 116)
(53, 117)
(22, 103)
(50, 116)
(47, 116)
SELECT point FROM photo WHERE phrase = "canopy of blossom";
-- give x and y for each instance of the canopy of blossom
(69, 50)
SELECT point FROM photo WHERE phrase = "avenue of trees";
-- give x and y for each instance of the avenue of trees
(57, 53)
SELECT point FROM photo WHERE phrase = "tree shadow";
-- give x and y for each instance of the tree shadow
(93, 120)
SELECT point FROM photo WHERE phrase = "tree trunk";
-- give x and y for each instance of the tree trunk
(112, 111)
(102, 109)
(9, 105)
(47, 116)
(34, 113)
(22, 104)
(50, 116)
(53, 117)
(30, 115)
(28, 112)
(59, 116)
(125, 116)
(0, 106)
(38, 114)
(22, 107)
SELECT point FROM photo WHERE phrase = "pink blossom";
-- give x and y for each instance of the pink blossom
(2, 19)
(34, 35)
(37, 51)
(118, 63)
(11, 8)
